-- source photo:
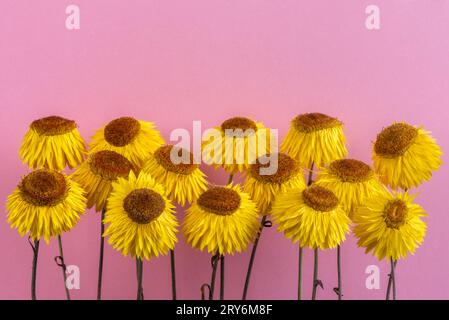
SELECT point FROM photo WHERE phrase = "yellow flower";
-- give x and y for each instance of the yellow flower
(315, 138)
(53, 143)
(183, 181)
(351, 180)
(390, 225)
(264, 187)
(223, 219)
(97, 173)
(45, 204)
(405, 156)
(141, 220)
(131, 138)
(236, 143)
(312, 216)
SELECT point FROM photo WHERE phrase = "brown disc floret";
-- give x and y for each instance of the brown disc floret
(122, 131)
(53, 125)
(44, 187)
(164, 154)
(320, 198)
(309, 122)
(109, 164)
(143, 205)
(219, 200)
(350, 170)
(394, 140)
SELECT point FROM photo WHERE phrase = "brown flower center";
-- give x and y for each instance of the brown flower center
(219, 200)
(309, 122)
(122, 131)
(143, 205)
(163, 157)
(350, 170)
(109, 165)
(395, 213)
(52, 126)
(287, 168)
(394, 140)
(237, 123)
(319, 198)
(43, 187)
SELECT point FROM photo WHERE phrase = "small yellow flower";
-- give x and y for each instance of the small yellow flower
(405, 156)
(53, 143)
(97, 173)
(183, 181)
(311, 216)
(315, 138)
(264, 187)
(352, 181)
(390, 226)
(141, 220)
(45, 204)
(131, 138)
(223, 219)
(240, 142)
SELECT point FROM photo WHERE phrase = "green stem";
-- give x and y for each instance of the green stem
(63, 267)
(253, 255)
(100, 264)
(139, 270)
(173, 273)
(222, 276)
(34, 269)
(300, 273)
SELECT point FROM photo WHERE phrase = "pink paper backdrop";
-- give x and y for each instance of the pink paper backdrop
(172, 62)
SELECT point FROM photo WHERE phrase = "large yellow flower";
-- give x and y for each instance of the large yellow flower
(53, 143)
(141, 220)
(45, 204)
(263, 187)
(405, 156)
(223, 219)
(352, 181)
(312, 216)
(390, 225)
(97, 173)
(315, 138)
(236, 143)
(133, 139)
(183, 181)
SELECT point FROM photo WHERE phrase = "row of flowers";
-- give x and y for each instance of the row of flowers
(128, 175)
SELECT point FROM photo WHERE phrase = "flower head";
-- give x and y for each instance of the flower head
(183, 181)
(315, 138)
(223, 219)
(45, 204)
(312, 216)
(263, 187)
(131, 138)
(405, 156)
(236, 143)
(53, 143)
(390, 225)
(141, 220)
(97, 174)
(352, 181)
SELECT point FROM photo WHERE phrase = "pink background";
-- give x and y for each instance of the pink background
(172, 62)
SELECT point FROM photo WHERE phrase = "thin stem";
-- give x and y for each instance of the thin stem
(391, 281)
(215, 259)
(309, 180)
(139, 270)
(222, 277)
(315, 274)
(63, 267)
(231, 178)
(173, 274)
(340, 288)
(34, 269)
(100, 264)
(253, 255)
(300, 273)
